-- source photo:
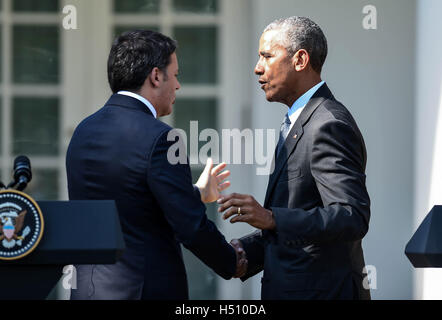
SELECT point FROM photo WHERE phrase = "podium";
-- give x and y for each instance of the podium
(75, 232)
(424, 250)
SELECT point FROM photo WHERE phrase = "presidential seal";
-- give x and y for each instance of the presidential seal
(21, 224)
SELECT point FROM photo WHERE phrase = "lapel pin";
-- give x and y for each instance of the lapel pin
(295, 136)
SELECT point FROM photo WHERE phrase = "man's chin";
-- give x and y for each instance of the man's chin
(163, 114)
(270, 98)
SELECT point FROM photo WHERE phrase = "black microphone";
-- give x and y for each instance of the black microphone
(22, 172)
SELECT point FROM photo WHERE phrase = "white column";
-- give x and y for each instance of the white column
(234, 112)
(428, 152)
(84, 56)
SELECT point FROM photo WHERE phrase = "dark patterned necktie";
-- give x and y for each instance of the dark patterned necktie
(285, 128)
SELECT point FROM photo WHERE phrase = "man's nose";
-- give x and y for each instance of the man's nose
(259, 69)
(178, 85)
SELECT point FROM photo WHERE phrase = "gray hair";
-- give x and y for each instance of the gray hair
(302, 33)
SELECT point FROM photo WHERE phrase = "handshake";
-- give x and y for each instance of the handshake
(210, 184)
(243, 208)
(241, 258)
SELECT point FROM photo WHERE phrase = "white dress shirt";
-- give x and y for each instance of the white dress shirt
(299, 105)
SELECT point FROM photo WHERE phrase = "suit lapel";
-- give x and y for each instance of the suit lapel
(294, 136)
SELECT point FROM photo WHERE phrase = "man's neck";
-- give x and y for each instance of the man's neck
(143, 99)
(303, 87)
(149, 94)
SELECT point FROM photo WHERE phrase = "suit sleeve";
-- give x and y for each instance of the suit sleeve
(337, 165)
(181, 204)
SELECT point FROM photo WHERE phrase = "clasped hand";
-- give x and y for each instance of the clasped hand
(241, 258)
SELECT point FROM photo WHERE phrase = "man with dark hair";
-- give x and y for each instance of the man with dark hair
(120, 153)
(317, 209)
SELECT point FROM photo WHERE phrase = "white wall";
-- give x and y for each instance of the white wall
(428, 163)
(372, 73)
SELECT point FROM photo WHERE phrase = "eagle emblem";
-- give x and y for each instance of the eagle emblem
(21, 224)
(11, 223)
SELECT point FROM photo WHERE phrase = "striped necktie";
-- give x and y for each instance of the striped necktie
(285, 128)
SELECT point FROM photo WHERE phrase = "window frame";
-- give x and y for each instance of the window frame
(9, 90)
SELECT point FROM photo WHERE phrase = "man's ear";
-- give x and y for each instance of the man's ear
(155, 77)
(300, 60)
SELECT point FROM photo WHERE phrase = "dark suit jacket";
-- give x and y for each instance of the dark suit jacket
(120, 153)
(321, 208)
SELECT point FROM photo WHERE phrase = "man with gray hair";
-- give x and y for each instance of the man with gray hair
(317, 209)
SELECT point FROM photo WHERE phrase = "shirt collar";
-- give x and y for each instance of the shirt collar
(140, 98)
(304, 99)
